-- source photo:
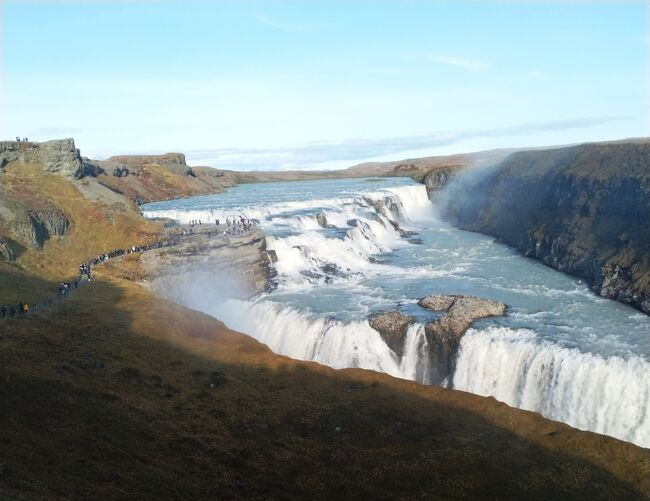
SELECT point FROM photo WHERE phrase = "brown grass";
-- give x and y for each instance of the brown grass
(94, 228)
(119, 394)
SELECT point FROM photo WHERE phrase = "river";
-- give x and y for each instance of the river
(560, 350)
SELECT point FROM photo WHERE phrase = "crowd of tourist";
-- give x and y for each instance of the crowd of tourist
(233, 227)
(236, 225)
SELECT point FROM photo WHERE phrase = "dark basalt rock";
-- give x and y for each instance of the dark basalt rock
(121, 171)
(443, 334)
(272, 255)
(6, 252)
(378, 205)
(436, 179)
(39, 227)
(321, 218)
(583, 210)
(392, 326)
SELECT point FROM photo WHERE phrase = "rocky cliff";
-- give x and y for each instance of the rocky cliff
(148, 178)
(240, 264)
(584, 210)
(59, 156)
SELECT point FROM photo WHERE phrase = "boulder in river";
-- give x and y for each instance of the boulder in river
(392, 326)
(443, 334)
(321, 218)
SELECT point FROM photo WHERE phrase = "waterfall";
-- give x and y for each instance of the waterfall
(336, 254)
(605, 395)
(327, 341)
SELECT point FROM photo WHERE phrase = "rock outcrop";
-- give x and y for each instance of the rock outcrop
(392, 326)
(321, 218)
(437, 179)
(442, 334)
(6, 252)
(204, 266)
(583, 210)
(59, 156)
(33, 228)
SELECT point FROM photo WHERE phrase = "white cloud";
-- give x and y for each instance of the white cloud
(459, 62)
(315, 154)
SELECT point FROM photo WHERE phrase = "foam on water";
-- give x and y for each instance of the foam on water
(561, 351)
(609, 396)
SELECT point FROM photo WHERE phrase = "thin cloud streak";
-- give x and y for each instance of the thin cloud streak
(312, 154)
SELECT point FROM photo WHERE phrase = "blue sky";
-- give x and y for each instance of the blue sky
(276, 85)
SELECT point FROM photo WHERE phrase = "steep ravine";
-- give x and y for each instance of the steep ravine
(583, 210)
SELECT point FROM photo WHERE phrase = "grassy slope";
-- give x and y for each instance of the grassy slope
(110, 397)
(151, 181)
(94, 227)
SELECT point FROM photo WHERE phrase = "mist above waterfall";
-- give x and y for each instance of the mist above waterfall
(344, 251)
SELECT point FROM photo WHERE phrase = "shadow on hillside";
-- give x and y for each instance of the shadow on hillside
(112, 397)
(17, 285)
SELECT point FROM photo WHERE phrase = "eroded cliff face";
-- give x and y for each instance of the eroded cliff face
(59, 156)
(185, 273)
(583, 210)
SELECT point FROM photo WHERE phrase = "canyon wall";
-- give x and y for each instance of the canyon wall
(583, 210)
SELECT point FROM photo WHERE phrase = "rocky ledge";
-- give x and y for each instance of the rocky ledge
(442, 334)
(207, 266)
(59, 156)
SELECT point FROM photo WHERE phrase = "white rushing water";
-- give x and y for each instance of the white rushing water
(561, 350)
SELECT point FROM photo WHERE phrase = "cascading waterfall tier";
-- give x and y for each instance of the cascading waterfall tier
(609, 396)
(341, 256)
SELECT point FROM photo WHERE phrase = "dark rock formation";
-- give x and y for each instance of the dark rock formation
(378, 205)
(443, 334)
(121, 171)
(437, 179)
(40, 226)
(6, 253)
(394, 209)
(321, 218)
(398, 229)
(392, 326)
(91, 168)
(59, 156)
(584, 210)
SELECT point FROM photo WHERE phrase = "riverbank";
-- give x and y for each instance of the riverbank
(148, 399)
(583, 210)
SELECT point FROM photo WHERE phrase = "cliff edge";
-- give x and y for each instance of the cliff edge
(583, 210)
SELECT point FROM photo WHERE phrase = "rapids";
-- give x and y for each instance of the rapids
(561, 350)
